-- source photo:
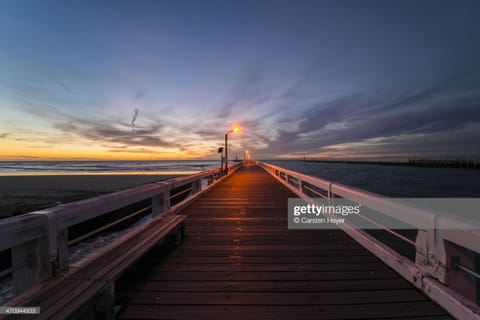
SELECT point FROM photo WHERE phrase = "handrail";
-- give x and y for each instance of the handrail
(108, 225)
(440, 239)
(39, 241)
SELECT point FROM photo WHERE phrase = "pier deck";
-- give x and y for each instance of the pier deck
(239, 261)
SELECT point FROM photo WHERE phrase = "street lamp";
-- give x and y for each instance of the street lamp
(226, 146)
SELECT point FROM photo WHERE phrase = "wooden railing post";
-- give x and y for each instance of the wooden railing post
(23, 266)
(27, 238)
(158, 204)
(61, 261)
(30, 264)
(166, 200)
(196, 186)
(56, 254)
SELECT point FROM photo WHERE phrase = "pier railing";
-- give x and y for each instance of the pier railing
(35, 246)
(446, 265)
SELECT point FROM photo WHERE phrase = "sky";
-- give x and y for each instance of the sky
(166, 79)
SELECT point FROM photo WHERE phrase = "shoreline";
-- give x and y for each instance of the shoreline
(95, 173)
(21, 194)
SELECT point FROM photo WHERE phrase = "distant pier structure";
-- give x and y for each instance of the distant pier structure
(438, 163)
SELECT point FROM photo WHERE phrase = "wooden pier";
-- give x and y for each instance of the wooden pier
(238, 260)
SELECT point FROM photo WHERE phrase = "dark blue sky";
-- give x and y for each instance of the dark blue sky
(329, 78)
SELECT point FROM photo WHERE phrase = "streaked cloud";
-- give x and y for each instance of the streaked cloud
(315, 77)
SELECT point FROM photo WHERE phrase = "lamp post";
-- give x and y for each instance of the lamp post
(220, 150)
(226, 147)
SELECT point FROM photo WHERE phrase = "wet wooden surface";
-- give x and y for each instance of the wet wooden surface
(239, 261)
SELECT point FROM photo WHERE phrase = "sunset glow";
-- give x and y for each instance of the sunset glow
(164, 80)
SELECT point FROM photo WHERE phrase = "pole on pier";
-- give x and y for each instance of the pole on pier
(226, 153)
(226, 147)
(220, 151)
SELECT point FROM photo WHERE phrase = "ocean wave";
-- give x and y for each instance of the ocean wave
(106, 166)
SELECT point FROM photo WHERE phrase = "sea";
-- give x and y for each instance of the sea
(105, 167)
(394, 181)
(391, 181)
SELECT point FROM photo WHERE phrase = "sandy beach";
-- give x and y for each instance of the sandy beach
(23, 194)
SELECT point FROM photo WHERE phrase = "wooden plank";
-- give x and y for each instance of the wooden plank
(262, 286)
(346, 297)
(258, 239)
(240, 267)
(324, 312)
(155, 260)
(261, 276)
(189, 252)
(270, 248)
(227, 229)
(277, 233)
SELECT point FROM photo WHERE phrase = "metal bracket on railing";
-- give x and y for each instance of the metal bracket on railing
(329, 192)
(430, 255)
